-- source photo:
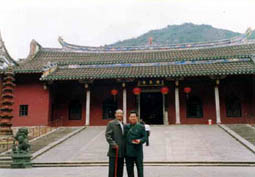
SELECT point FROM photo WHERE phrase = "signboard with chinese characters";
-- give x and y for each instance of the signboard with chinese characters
(150, 82)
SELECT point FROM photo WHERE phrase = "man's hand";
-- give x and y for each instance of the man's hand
(137, 141)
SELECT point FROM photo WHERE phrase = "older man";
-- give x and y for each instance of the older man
(135, 137)
(114, 135)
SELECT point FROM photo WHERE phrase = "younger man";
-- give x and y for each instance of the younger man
(135, 137)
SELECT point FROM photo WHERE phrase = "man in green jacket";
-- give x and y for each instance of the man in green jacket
(114, 135)
(135, 137)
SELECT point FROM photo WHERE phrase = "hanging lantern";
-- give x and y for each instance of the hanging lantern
(164, 90)
(187, 90)
(137, 91)
(114, 92)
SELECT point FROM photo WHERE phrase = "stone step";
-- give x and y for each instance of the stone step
(46, 140)
(40, 143)
(5, 165)
(3, 159)
(97, 164)
(245, 131)
(5, 162)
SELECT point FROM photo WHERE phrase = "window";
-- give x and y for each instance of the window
(109, 107)
(23, 110)
(194, 107)
(75, 108)
(233, 106)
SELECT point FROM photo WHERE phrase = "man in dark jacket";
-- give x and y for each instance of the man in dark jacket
(114, 135)
(135, 137)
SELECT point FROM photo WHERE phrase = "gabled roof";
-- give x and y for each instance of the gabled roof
(69, 63)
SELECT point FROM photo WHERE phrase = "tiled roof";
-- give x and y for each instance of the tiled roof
(36, 63)
(67, 57)
(246, 67)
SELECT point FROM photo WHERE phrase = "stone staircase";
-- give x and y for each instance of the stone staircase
(39, 143)
(244, 130)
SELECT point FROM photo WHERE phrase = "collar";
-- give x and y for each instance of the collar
(132, 125)
(117, 121)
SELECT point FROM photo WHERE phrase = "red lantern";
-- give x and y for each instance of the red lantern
(137, 91)
(187, 90)
(114, 92)
(164, 90)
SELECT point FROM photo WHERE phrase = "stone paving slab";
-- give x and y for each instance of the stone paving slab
(175, 143)
(165, 171)
(194, 143)
(88, 145)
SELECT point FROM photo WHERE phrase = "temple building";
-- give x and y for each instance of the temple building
(177, 84)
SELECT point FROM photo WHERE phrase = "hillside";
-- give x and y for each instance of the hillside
(185, 33)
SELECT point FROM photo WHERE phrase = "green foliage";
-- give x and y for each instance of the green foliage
(185, 33)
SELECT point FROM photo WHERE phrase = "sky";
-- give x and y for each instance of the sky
(100, 22)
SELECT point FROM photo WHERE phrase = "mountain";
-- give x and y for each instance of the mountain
(185, 33)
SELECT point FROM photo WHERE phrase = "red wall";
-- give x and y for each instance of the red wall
(37, 99)
(62, 94)
(98, 94)
(61, 113)
(243, 88)
(30, 91)
(204, 90)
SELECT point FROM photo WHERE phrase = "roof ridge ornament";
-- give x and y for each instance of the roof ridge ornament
(253, 58)
(34, 48)
(61, 40)
(1, 41)
(248, 32)
(49, 68)
(63, 44)
(5, 59)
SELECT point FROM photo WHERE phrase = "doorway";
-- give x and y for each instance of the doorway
(151, 107)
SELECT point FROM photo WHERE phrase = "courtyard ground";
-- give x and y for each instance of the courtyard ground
(164, 171)
(176, 143)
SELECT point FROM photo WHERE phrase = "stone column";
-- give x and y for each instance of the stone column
(87, 105)
(217, 102)
(139, 106)
(124, 103)
(165, 111)
(177, 103)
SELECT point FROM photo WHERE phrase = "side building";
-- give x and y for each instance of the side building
(80, 85)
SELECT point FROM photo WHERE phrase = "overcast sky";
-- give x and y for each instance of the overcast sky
(94, 22)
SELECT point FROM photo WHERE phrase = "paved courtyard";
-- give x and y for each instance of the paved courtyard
(149, 172)
(185, 143)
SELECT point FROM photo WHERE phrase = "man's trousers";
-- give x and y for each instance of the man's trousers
(112, 167)
(147, 141)
(130, 161)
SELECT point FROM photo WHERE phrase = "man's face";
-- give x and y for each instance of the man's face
(119, 115)
(133, 118)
